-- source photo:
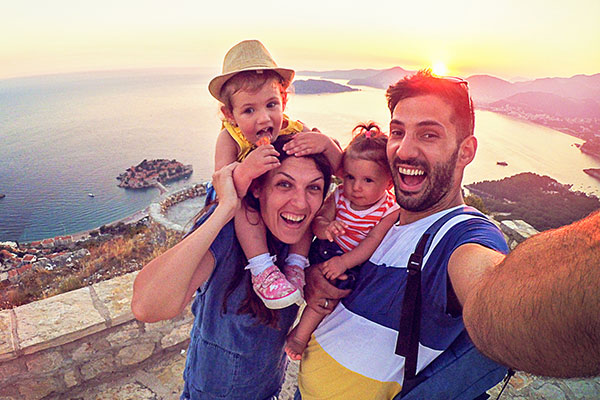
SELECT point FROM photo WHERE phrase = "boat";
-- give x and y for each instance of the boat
(503, 163)
(91, 195)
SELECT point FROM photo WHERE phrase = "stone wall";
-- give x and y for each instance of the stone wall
(157, 211)
(517, 231)
(57, 344)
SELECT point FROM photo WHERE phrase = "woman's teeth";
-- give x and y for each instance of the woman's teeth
(293, 218)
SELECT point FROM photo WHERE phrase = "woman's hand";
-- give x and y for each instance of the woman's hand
(222, 181)
(319, 293)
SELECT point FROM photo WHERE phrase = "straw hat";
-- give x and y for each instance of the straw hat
(249, 55)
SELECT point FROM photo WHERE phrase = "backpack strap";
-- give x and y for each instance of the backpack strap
(407, 344)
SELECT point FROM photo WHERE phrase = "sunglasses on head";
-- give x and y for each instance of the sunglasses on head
(454, 79)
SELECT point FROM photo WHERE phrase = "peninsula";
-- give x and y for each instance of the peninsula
(593, 172)
(320, 86)
(540, 200)
(150, 172)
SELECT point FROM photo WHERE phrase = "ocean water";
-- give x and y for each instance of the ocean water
(64, 136)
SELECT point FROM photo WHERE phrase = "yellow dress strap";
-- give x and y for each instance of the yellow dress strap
(246, 147)
(292, 126)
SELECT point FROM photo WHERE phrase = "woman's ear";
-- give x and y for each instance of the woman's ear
(255, 191)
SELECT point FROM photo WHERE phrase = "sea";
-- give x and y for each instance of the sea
(65, 138)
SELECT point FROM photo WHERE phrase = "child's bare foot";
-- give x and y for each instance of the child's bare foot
(294, 346)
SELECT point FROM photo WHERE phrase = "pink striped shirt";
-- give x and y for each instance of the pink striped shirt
(360, 223)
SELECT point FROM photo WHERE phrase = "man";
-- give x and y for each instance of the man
(352, 353)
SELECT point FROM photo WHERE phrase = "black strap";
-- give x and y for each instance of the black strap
(407, 344)
(509, 374)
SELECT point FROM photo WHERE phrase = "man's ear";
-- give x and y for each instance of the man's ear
(467, 150)
(228, 114)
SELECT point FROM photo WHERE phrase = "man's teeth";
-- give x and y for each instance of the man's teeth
(293, 218)
(410, 171)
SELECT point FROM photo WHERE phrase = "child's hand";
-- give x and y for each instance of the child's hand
(333, 268)
(305, 143)
(260, 160)
(335, 228)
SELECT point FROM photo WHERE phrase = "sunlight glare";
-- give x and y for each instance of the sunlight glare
(439, 68)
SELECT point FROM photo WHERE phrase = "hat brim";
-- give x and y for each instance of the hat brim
(216, 84)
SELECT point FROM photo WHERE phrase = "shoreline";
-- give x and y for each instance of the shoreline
(135, 217)
(129, 219)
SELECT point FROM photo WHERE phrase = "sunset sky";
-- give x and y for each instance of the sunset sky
(505, 38)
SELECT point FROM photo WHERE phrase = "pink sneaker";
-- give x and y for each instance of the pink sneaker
(295, 275)
(274, 290)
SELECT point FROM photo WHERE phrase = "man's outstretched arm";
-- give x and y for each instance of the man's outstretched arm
(539, 309)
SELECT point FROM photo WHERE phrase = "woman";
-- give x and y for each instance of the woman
(236, 347)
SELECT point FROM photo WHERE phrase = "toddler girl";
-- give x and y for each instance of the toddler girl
(253, 93)
(355, 218)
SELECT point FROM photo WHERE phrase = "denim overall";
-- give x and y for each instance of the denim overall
(232, 356)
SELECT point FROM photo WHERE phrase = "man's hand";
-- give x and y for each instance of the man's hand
(319, 293)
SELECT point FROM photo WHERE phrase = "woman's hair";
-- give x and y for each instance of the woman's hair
(253, 81)
(368, 143)
(252, 304)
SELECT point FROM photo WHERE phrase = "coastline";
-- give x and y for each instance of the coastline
(81, 235)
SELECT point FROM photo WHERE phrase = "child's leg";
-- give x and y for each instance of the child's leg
(251, 233)
(297, 260)
(298, 338)
(268, 281)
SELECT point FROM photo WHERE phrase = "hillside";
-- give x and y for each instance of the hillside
(341, 74)
(486, 88)
(551, 104)
(383, 79)
(539, 200)
(318, 86)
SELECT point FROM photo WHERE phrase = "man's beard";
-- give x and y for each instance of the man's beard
(439, 181)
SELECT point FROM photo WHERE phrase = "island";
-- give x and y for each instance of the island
(149, 173)
(319, 86)
(2, 195)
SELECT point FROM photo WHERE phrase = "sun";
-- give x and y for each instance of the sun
(439, 68)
